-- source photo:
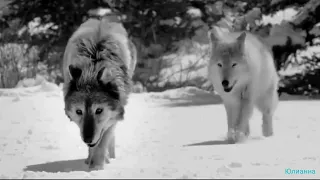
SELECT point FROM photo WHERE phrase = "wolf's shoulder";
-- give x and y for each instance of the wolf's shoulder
(258, 41)
(101, 27)
(111, 26)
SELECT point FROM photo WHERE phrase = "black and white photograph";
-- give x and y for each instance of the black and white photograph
(159, 89)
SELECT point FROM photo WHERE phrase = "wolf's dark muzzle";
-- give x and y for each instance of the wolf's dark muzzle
(87, 140)
(88, 129)
(93, 145)
(226, 85)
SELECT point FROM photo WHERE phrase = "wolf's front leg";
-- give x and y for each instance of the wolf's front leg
(232, 110)
(97, 160)
(246, 110)
(89, 156)
(111, 147)
(100, 153)
(109, 143)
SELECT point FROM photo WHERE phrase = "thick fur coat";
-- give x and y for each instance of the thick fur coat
(242, 71)
(98, 66)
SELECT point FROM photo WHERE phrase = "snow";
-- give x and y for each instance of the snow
(287, 14)
(178, 133)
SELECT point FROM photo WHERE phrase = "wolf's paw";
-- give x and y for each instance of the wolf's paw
(96, 167)
(109, 156)
(231, 136)
(267, 130)
(112, 155)
(240, 137)
(247, 133)
(86, 161)
(106, 160)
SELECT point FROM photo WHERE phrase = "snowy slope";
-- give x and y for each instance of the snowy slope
(174, 134)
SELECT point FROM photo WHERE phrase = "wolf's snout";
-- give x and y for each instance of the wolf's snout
(227, 86)
(225, 83)
(87, 140)
(88, 130)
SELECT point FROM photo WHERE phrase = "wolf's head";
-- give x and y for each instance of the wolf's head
(93, 101)
(227, 60)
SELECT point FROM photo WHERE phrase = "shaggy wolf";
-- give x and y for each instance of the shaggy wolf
(242, 71)
(98, 65)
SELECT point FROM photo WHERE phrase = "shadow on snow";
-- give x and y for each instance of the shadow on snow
(224, 142)
(210, 143)
(59, 166)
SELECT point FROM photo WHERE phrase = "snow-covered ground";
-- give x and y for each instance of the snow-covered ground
(174, 134)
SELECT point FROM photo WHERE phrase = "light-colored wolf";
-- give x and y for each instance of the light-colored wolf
(242, 71)
(98, 65)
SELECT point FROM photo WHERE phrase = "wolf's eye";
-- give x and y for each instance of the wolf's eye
(219, 64)
(99, 111)
(234, 64)
(79, 112)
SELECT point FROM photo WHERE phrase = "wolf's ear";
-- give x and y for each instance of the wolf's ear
(112, 89)
(213, 35)
(75, 72)
(109, 87)
(241, 40)
(100, 73)
(242, 37)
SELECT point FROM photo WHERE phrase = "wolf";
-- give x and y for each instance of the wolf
(242, 71)
(98, 65)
